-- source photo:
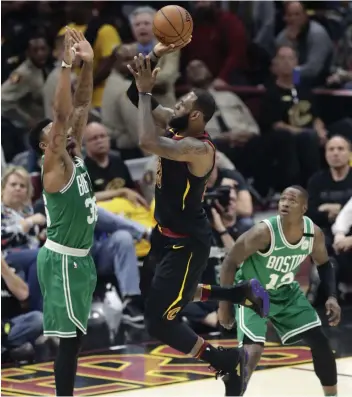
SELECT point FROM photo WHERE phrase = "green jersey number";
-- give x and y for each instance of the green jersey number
(276, 281)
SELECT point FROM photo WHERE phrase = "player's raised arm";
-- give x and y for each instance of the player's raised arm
(256, 239)
(327, 276)
(62, 109)
(84, 91)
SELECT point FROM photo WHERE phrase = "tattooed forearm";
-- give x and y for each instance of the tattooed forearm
(57, 138)
(146, 128)
(84, 91)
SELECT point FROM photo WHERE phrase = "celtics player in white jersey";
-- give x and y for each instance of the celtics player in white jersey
(272, 252)
(66, 271)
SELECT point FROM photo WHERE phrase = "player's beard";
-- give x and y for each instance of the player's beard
(180, 123)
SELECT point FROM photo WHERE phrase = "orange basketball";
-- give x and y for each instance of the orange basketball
(173, 25)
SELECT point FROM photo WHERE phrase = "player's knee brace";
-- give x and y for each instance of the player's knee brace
(323, 357)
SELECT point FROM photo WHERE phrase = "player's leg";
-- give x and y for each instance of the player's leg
(67, 284)
(251, 333)
(300, 321)
(173, 286)
(247, 293)
(323, 359)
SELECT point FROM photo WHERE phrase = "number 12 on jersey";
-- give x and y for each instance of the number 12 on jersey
(277, 281)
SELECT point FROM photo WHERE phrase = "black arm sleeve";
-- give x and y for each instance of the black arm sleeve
(328, 278)
(133, 94)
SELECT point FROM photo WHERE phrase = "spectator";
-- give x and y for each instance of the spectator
(232, 127)
(307, 37)
(119, 115)
(219, 40)
(21, 97)
(240, 217)
(110, 176)
(102, 36)
(18, 330)
(329, 190)
(141, 20)
(20, 228)
(114, 252)
(290, 111)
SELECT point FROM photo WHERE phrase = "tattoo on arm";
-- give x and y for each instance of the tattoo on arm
(319, 254)
(184, 150)
(62, 111)
(256, 239)
(82, 101)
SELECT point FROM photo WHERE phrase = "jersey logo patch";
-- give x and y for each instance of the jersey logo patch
(305, 245)
(278, 248)
(75, 265)
(177, 247)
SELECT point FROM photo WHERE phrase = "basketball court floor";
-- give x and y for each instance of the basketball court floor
(150, 369)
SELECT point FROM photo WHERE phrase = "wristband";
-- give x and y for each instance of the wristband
(65, 65)
(153, 52)
(223, 233)
(145, 93)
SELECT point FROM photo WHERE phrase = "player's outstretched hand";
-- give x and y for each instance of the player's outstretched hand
(82, 47)
(69, 54)
(161, 49)
(142, 72)
(333, 311)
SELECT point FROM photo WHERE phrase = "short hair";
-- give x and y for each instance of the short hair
(141, 10)
(35, 134)
(36, 36)
(349, 143)
(205, 103)
(302, 190)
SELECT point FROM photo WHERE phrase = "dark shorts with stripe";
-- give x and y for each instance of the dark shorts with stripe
(171, 273)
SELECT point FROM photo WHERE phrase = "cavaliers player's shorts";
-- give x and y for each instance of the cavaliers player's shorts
(171, 273)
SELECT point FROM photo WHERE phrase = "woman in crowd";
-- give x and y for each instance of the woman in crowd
(20, 229)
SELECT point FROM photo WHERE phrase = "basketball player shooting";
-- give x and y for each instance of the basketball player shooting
(180, 243)
(66, 271)
(273, 251)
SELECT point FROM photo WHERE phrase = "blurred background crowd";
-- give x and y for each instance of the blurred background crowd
(281, 76)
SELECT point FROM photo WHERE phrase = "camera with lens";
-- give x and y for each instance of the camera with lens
(221, 195)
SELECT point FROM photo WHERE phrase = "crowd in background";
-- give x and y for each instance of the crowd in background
(281, 77)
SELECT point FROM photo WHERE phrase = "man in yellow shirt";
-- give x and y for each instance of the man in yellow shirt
(104, 39)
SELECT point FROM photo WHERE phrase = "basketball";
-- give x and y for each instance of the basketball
(173, 25)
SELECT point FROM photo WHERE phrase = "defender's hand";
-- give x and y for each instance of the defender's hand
(83, 49)
(225, 315)
(333, 310)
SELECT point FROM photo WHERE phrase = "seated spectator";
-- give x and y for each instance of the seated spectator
(290, 111)
(21, 97)
(329, 190)
(241, 217)
(21, 332)
(311, 41)
(20, 229)
(114, 252)
(109, 175)
(102, 36)
(342, 68)
(232, 126)
(219, 40)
